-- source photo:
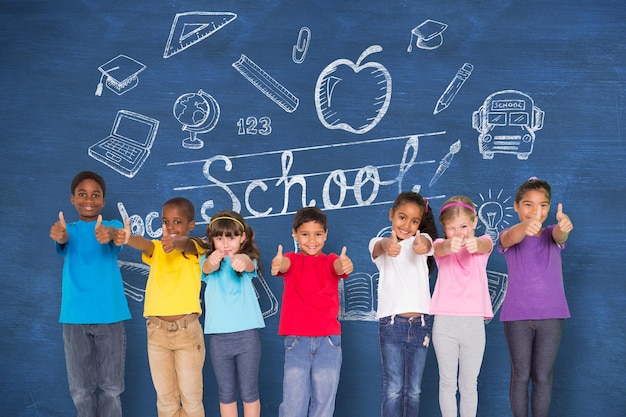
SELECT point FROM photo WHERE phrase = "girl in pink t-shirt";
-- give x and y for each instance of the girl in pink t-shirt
(460, 304)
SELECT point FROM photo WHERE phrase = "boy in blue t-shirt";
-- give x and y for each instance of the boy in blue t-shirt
(93, 304)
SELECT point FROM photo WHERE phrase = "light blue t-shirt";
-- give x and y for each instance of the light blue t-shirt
(92, 287)
(231, 304)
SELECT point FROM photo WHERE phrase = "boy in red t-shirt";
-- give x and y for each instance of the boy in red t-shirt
(308, 318)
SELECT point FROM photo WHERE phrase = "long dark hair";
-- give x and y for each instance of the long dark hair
(230, 223)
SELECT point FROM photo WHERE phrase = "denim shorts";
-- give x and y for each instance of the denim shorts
(235, 358)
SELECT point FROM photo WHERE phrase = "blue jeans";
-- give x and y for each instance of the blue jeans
(95, 356)
(533, 345)
(403, 348)
(235, 358)
(312, 367)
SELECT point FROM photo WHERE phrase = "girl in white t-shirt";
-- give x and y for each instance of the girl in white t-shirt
(404, 302)
(460, 305)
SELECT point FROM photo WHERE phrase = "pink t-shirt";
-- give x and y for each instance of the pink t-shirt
(462, 288)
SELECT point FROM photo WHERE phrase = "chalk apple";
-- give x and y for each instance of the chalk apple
(353, 96)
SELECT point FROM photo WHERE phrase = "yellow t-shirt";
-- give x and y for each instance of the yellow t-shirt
(173, 285)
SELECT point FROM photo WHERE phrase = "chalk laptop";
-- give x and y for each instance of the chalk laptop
(128, 146)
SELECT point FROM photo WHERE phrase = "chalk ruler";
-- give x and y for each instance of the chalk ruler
(266, 84)
(191, 27)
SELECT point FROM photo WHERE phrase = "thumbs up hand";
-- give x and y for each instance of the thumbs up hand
(393, 246)
(471, 244)
(456, 244)
(167, 241)
(346, 263)
(215, 259)
(533, 225)
(103, 233)
(420, 246)
(563, 221)
(277, 261)
(121, 236)
(58, 231)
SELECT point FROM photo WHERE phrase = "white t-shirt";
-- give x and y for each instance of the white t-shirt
(403, 280)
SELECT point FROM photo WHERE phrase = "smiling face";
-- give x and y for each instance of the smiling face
(405, 220)
(88, 198)
(228, 245)
(175, 222)
(310, 237)
(532, 202)
(462, 225)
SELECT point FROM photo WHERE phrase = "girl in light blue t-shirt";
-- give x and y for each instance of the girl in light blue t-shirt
(232, 311)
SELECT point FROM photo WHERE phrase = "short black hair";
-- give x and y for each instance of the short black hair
(309, 214)
(88, 175)
(184, 205)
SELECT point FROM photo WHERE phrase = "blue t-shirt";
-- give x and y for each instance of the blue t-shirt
(231, 304)
(92, 288)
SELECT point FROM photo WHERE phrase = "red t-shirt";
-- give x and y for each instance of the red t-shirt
(310, 296)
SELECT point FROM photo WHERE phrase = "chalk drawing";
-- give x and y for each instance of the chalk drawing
(120, 74)
(301, 47)
(445, 162)
(358, 294)
(493, 214)
(136, 273)
(344, 85)
(192, 27)
(453, 88)
(497, 283)
(507, 122)
(252, 126)
(128, 145)
(341, 188)
(266, 84)
(198, 113)
(272, 309)
(428, 35)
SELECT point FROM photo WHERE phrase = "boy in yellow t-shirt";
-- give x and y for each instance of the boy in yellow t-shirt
(175, 338)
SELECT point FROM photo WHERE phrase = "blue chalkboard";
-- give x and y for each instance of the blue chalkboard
(264, 107)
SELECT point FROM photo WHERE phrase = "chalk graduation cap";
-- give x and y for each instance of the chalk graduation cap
(120, 74)
(429, 35)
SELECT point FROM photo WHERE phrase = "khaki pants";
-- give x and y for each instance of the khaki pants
(176, 354)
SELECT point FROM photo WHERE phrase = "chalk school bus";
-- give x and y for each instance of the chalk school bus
(507, 122)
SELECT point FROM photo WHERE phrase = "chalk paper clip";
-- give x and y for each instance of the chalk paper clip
(428, 34)
(120, 75)
(302, 45)
(266, 84)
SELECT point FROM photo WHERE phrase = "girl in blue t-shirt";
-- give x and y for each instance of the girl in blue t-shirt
(232, 311)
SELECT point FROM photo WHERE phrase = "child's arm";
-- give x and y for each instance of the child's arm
(343, 265)
(448, 246)
(58, 231)
(180, 243)
(280, 264)
(388, 246)
(123, 236)
(421, 244)
(564, 225)
(517, 233)
(141, 243)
